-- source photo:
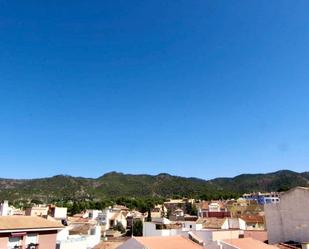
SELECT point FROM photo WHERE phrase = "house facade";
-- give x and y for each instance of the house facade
(215, 209)
(110, 217)
(26, 232)
(37, 211)
(263, 198)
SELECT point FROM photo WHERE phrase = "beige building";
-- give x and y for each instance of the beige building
(289, 219)
(37, 211)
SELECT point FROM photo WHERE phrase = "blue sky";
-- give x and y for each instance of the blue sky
(193, 88)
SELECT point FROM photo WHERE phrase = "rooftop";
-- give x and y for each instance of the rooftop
(173, 242)
(26, 222)
(253, 218)
(211, 223)
(248, 243)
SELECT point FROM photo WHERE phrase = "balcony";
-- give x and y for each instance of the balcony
(32, 246)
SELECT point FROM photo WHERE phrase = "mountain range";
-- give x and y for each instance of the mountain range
(115, 184)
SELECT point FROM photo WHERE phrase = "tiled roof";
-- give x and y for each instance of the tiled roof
(248, 243)
(173, 242)
(252, 218)
(26, 222)
(211, 223)
(81, 229)
(203, 205)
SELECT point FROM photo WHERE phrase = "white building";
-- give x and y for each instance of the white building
(4, 208)
(92, 214)
(58, 213)
(87, 241)
(111, 217)
(209, 238)
(289, 219)
(39, 210)
(164, 227)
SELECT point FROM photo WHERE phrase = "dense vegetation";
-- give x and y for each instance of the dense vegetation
(138, 190)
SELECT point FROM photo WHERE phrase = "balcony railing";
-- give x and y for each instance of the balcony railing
(32, 246)
(17, 247)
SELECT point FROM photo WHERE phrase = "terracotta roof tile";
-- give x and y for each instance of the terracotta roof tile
(252, 218)
(26, 222)
(248, 243)
(173, 242)
(211, 223)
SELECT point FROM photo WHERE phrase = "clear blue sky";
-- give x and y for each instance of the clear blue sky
(200, 88)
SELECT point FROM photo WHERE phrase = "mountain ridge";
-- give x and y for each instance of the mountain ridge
(116, 184)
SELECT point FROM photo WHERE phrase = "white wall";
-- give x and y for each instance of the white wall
(4, 208)
(73, 242)
(108, 214)
(208, 236)
(93, 214)
(149, 229)
(66, 241)
(93, 240)
(60, 213)
(289, 219)
(236, 223)
(63, 234)
(193, 224)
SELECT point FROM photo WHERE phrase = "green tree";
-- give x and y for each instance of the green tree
(75, 209)
(137, 227)
(148, 219)
(119, 227)
(191, 209)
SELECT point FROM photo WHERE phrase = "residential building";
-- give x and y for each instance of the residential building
(82, 236)
(161, 227)
(59, 213)
(92, 214)
(209, 237)
(174, 204)
(40, 210)
(289, 219)
(166, 227)
(6, 210)
(222, 223)
(110, 217)
(254, 222)
(159, 211)
(215, 209)
(174, 242)
(243, 206)
(133, 216)
(22, 231)
(263, 198)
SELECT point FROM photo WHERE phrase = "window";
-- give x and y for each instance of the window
(14, 242)
(32, 238)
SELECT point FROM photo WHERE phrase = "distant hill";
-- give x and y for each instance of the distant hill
(116, 184)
